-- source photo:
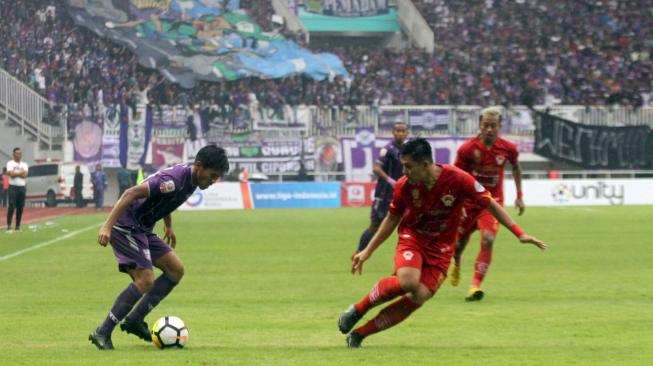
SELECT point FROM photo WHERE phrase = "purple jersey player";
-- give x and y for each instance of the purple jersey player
(129, 231)
(389, 169)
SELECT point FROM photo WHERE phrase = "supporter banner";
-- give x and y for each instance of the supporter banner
(169, 127)
(295, 195)
(138, 137)
(270, 156)
(295, 118)
(429, 119)
(86, 124)
(348, 8)
(388, 118)
(357, 194)
(417, 119)
(195, 40)
(359, 160)
(593, 147)
(582, 192)
(111, 117)
(219, 196)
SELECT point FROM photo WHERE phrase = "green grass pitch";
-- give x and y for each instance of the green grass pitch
(265, 287)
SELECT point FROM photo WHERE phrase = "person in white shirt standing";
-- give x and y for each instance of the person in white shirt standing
(17, 171)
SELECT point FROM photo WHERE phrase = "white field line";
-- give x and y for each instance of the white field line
(49, 242)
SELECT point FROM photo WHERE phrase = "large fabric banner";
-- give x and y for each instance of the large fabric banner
(138, 135)
(199, 39)
(86, 124)
(290, 118)
(429, 118)
(417, 118)
(111, 117)
(169, 127)
(359, 159)
(270, 156)
(593, 147)
(348, 8)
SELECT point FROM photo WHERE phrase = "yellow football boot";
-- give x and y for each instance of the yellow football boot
(474, 294)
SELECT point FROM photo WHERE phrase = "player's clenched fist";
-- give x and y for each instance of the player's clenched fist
(104, 236)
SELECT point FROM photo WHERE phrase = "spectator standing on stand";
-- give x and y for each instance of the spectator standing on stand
(99, 185)
(17, 171)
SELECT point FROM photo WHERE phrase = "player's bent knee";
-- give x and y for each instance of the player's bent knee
(409, 283)
(421, 295)
(144, 282)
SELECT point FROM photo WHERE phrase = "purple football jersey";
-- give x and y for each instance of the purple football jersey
(391, 165)
(169, 189)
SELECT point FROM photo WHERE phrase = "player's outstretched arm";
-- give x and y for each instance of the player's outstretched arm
(132, 194)
(388, 225)
(497, 211)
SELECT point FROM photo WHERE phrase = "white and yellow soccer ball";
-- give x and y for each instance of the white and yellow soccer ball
(169, 332)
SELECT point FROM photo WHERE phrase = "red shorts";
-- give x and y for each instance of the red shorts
(478, 219)
(432, 261)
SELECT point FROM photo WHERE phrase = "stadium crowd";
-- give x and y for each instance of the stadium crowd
(487, 52)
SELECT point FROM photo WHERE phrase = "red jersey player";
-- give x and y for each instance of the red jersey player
(427, 205)
(484, 157)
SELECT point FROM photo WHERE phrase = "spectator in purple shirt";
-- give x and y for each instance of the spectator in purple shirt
(129, 231)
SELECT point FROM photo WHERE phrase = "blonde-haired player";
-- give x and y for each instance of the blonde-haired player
(485, 157)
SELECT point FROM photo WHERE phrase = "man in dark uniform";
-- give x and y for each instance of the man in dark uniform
(389, 169)
(78, 185)
(136, 248)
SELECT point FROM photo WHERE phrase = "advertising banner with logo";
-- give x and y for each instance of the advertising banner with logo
(220, 196)
(295, 195)
(359, 159)
(593, 147)
(357, 194)
(582, 192)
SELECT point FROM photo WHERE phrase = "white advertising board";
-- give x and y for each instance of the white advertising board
(582, 192)
(219, 196)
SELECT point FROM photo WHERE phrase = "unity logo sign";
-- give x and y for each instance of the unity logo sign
(565, 192)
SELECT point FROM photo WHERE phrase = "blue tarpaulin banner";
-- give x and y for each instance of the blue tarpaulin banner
(200, 40)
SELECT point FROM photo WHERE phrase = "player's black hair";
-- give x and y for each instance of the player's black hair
(213, 157)
(418, 149)
(16, 149)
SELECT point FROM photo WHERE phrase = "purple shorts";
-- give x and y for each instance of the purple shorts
(136, 249)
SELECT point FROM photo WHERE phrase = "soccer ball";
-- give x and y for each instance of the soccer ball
(169, 331)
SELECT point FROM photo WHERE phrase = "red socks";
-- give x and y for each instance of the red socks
(482, 264)
(391, 315)
(385, 290)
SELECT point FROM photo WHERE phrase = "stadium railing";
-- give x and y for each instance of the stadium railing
(27, 109)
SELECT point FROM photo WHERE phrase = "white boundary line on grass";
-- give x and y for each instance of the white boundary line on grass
(49, 242)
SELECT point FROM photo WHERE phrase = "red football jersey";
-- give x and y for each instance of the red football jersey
(487, 164)
(434, 214)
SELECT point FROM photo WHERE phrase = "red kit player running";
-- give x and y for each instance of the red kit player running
(485, 158)
(427, 206)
